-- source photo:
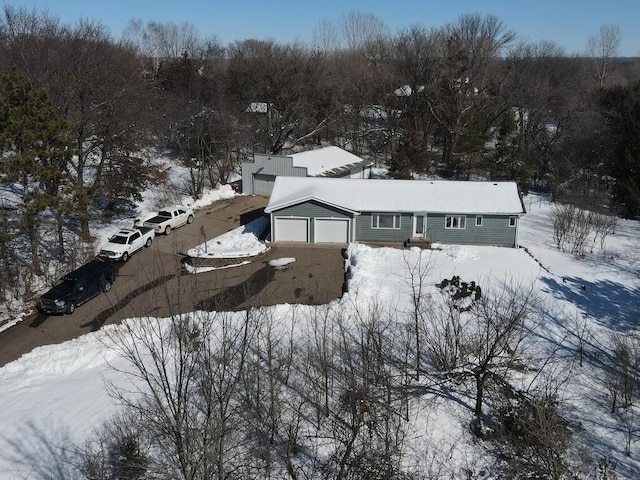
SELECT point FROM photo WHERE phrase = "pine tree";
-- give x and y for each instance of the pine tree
(32, 135)
(622, 110)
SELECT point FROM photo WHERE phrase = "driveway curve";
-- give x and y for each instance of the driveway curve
(153, 282)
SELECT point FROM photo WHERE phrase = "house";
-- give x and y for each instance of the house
(320, 210)
(258, 175)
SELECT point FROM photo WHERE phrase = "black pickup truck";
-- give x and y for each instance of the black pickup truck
(78, 287)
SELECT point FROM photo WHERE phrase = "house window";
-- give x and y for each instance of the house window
(478, 220)
(455, 221)
(385, 221)
(512, 221)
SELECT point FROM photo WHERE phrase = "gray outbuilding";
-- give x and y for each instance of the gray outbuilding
(259, 174)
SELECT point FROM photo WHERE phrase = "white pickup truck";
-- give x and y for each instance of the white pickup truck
(169, 218)
(127, 242)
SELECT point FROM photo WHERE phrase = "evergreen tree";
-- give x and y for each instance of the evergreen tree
(32, 135)
(622, 110)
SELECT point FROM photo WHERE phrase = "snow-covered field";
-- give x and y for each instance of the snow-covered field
(56, 394)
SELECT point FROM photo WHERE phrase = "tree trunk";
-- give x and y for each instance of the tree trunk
(81, 193)
(480, 377)
(60, 231)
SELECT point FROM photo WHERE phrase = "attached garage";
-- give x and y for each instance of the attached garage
(287, 229)
(331, 230)
(263, 184)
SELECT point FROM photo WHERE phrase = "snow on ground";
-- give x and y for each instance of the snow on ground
(102, 232)
(238, 243)
(56, 393)
(281, 262)
(148, 207)
(242, 243)
(51, 397)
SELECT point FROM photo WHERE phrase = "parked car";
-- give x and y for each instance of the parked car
(169, 218)
(78, 287)
(127, 242)
(236, 186)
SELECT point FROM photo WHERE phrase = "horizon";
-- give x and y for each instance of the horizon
(287, 21)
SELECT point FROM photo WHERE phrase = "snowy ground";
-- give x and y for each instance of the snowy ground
(20, 308)
(240, 242)
(56, 394)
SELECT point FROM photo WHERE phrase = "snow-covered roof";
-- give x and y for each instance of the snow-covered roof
(407, 91)
(326, 161)
(360, 195)
(258, 107)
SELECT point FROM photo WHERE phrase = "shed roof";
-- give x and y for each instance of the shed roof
(365, 195)
(327, 161)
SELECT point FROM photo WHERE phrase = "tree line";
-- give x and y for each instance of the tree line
(83, 113)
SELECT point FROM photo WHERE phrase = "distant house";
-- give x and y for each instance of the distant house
(327, 210)
(258, 107)
(259, 174)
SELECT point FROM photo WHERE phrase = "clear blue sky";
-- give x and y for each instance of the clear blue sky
(566, 22)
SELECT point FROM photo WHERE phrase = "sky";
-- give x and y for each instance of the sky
(569, 23)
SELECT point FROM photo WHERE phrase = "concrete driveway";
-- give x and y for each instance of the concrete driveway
(153, 282)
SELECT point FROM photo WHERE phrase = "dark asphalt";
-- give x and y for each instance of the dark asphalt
(153, 282)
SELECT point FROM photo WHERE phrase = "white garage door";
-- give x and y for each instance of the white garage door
(331, 230)
(291, 229)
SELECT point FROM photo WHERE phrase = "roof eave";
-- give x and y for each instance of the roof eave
(280, 206)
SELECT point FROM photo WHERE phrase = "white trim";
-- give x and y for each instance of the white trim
(453, 222)
(481, 218)
(424, 225)
(515, 221)
(298, 201)
(397, 226)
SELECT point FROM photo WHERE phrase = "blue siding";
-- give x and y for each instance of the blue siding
(495, 230)
(365, 233)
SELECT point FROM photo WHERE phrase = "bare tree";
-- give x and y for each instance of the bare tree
(603, 48)
(185, 376)
(461, 104)
(291, 89)
(532, 434)
(326, 37)
(162, 41)
(573, 226)
(416, 57)
(365, 417)
(360, 29)
(540, 94)
(628, 420)
(482, 339)
(117, 449)
(418, 266)
(623, 379)
(603, 225)
(444, 332)
(501, 326)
